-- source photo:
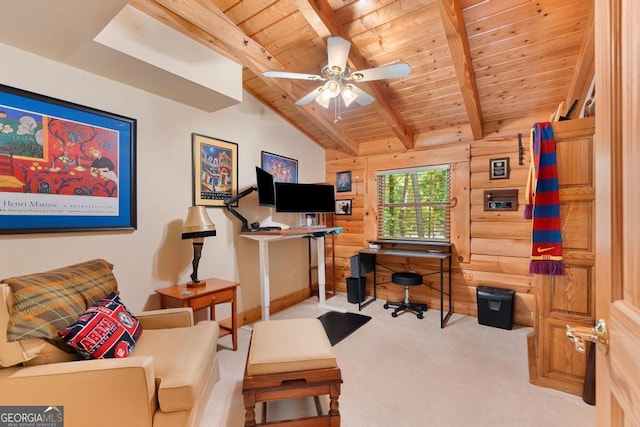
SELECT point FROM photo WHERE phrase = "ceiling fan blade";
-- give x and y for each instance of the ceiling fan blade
(385, 72)
(338, 52)
(310, 96)
(363, 97)
(288, 75)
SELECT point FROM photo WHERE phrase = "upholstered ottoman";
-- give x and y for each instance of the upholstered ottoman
(288, 359)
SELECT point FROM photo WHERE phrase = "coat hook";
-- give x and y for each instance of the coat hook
(520, 150)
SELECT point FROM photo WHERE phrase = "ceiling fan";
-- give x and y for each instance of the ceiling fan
(339, 79)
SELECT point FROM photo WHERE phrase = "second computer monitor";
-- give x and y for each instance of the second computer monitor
(266, 189)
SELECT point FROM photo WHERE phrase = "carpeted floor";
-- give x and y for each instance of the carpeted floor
(408, 372)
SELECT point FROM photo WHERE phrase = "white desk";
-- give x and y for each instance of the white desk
(265, 237)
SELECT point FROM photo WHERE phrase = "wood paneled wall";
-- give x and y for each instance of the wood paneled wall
(490, 248)
(500, 240)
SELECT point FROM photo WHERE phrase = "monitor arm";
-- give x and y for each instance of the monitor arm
(231, 200)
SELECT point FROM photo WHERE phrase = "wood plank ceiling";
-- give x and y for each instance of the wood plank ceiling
(478, 66)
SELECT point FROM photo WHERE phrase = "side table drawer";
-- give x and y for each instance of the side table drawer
(207, 300)
(206, 295)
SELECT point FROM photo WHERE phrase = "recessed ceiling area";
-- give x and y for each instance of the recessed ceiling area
(115, 40)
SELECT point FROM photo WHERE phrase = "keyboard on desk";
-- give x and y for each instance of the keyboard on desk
(269, 228)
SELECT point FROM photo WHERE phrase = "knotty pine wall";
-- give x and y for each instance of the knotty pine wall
(490, 248)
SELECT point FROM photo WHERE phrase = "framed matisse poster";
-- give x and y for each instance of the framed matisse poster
(64, 167)
(215, 170)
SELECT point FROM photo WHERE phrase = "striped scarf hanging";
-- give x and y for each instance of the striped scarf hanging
(543, 203)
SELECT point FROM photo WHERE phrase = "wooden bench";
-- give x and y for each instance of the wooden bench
(289, 359)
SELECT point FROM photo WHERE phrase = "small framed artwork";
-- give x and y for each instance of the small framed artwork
(343, 181)
(215, 170)
(343, 206)
(499, 168)
(310, 219)
(283, 169)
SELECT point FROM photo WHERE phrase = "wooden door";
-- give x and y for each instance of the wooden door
(568, 299)
(617, 151)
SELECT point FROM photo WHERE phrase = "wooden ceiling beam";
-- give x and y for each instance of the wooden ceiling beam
(453, 21)
(323, 20)
(211, 20)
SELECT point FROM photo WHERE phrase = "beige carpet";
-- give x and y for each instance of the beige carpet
(408, 372)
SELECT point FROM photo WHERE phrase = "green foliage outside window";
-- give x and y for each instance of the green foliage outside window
(414, 204)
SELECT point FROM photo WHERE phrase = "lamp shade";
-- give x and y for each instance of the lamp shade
(331, 88)
(198, 224)
(348, 95)
(323, 100)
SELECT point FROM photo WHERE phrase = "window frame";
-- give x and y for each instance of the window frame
(381, 204)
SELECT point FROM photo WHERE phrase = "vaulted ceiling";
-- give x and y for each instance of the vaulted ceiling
(480, 68)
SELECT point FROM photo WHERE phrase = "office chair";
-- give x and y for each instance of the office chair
(406, 279)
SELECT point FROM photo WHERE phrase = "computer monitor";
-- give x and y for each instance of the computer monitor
(305, 198)
(266, 190)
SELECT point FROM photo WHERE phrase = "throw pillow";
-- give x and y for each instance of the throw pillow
(106, 330)
(44, 303)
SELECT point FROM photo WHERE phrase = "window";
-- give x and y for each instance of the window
(414, 203)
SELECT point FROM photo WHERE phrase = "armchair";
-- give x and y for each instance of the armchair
(165, 382)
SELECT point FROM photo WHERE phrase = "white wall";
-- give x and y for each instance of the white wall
(154, 255)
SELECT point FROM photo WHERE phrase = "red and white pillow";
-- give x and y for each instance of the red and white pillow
(105, 330)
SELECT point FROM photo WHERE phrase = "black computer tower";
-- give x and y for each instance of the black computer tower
(356, 289)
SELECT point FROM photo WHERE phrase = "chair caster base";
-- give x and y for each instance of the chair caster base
(400, 307)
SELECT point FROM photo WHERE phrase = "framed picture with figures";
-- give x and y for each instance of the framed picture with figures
(343, 206)
(215, 170)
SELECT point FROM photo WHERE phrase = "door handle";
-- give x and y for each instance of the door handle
(598, 335)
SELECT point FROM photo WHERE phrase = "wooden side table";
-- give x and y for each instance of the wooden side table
(215, 291)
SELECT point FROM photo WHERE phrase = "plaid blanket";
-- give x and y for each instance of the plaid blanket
(543, 203)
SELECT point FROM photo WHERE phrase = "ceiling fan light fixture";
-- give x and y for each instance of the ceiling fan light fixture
(323, 100)
(337, 79)
(348, 95)
(331, 89)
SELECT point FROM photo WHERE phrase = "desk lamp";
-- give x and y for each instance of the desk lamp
(196, 227)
